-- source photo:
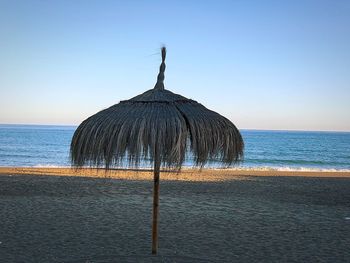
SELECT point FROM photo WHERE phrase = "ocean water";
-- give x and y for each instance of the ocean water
(48, 146)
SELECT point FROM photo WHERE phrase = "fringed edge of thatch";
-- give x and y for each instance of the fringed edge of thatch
(133, 132)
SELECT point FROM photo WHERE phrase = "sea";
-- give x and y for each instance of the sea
(48, 146)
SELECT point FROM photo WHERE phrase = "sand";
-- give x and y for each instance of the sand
(205, 217)
(195, 175)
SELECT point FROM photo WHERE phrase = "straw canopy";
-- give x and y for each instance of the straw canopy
(156, 124)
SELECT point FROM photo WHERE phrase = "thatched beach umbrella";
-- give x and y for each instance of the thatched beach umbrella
(158, 126)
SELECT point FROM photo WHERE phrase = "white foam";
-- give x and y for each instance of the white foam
(285, 168)
(240, 168)
(49, 166)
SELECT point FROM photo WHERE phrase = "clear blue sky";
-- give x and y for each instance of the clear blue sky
(262, 64)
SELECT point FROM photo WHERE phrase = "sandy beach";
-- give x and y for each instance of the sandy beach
(184, 175)
(62, 215)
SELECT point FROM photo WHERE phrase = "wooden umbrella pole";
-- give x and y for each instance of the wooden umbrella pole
(155, 203)
(159, 85)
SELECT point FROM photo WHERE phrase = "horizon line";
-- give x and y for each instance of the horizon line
(249, 129)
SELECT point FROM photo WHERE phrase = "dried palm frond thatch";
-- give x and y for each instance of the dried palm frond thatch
(156, 122)
(158, 126)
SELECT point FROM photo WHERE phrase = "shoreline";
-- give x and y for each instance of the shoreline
(186, 174)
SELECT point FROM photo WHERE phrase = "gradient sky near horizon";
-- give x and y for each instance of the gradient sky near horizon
(262, 64)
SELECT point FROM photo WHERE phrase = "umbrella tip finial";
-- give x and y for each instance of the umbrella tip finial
(163, 53)
(160, 78)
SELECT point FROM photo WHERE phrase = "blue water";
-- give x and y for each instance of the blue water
(41, 145)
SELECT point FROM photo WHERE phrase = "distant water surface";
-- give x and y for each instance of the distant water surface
(44, 145)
